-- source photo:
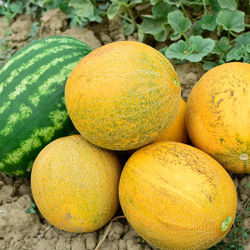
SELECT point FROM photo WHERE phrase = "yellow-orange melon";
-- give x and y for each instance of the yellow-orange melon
(122, 95)
(218, 115)
(75, 184)
(177, 197)
(177, 130)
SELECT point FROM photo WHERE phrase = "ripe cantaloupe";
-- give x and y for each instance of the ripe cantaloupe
(177, 130)
(177, 197)
(75, 184)
(122, 95)
(218, 112)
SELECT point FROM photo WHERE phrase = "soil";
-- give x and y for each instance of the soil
(20, 230)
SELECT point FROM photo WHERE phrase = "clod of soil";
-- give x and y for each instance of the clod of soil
(85, 35)
(189, 74)
(20, 31)
(15, 223)
(54, 22)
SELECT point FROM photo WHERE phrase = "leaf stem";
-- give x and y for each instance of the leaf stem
(129, 10)
(187, 2)
(232, 33)
(125, 18)
(247, 25)
(186, 38)
(205, 8)
(183, 10)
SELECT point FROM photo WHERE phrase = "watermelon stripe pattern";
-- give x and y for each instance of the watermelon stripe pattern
(32, 106)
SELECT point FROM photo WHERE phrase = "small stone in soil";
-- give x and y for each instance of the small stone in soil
(246, 223)
(8, 190)
(133, 245)
(78, 243)
(122, 244)
(91, 240)
(110, 245)
(116, 231)
(24, 189)
(105, 39)
(130, 235)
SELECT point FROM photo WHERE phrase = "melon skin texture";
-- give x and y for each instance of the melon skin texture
(217, 118)
(177, 130)
(75, 184)
(177, 197)
(32, 105)
(122, 95)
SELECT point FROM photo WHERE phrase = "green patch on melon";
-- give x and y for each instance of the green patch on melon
(226, 223)
(239, 157)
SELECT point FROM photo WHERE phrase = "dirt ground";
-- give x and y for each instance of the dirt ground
(20, 230)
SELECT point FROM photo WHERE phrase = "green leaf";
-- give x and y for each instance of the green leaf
(219, 30)
(231, 20)
(241, 49)
(175, 2)
(17, 7)
(208, 65)
(96, 17)
(40, 3)
(245, 234)
(162, 36)
(83, 8)
(195, 29)
(221, 62)
(31, 209)
(237, 219)
(208, 22)
(129, 29)
(134, 2)
(215, 5)
(235, 54)
(242, 40)
(34, 31)
(178, 50)
(113, 10)
(161, 10)
(222, 46)
(156, 27)
(175, 37)
(63, 6)
(157, 24)
(153, 2)
(163, 50)
(193, 51)
(104, 6)
(194, 3)
(200, 47)
(248, 50)
(178, 22)
(77, 20)
(227, 4)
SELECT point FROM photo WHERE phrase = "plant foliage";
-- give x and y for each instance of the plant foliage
(184, 24)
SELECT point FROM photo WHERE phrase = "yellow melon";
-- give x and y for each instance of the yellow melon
(177, 130)
(75, 184)
(218, 115)
(122, 95)
(177, 197)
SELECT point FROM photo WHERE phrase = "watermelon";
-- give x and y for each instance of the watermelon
(32, 106)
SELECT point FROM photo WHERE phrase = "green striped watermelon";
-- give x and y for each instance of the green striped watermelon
(32, 107)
